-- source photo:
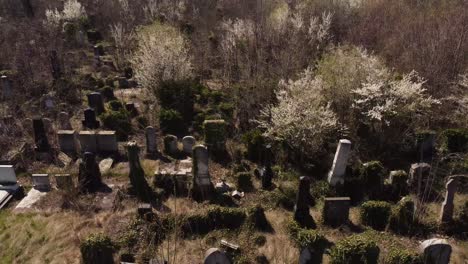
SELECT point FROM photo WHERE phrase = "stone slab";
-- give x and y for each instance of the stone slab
(31, 198)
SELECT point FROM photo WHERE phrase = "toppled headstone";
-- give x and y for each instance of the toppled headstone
(151, 144)
(436, 251)
(138, 183)
(89, 176)
(222, 187)
(216, 256)
(90, 120)
(188, 142)
(446, 212)
(303, 201)
(336, 210)
(105, 165)
(337, 172)
(67, 141)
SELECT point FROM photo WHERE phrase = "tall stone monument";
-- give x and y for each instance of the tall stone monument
(338, 170)
(202, 181)
(303, 201)
(138, 184)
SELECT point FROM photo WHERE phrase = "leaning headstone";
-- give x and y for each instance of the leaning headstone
(216, 256)
(67, 140)
(215, 135)
(107, 142)
(446, 212)
(170, 145)
(202, 179)
(303, 201)
(41, 182)
(40, 136)
(64, 121)
(90, 119)
(64, 182)
(88, 142)
(337, 172)
(96, 102)
(151, 145)
(55, 65)
(89, 176)
(418, 178)
(138, 184)
(7, 90)
(436, 251)
(336, 210)
(188, 142)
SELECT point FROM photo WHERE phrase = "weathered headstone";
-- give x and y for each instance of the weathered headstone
(40, 136)
(202, 179)
(64, 121)
(446, 212)
(7, 90)
(215, 135)
(138, 184)
(7, 175)
(170, 145)
(88, 142)
(55, 65)
(90, 119)
(107, 142)
(418, 178)
(303, 201)
(436, 251)
(41, 182)
(188, 142)
(151, 144)
(48, 125)
(336, 210)
(105, 165)
(338, 170)
(216, 256)
(64, 182)
(89, 176)
(96, 102)
(67, 140)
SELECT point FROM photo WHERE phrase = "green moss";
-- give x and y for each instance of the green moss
(401, 218)
(355, 249)
(375, 214)
(402, 256)
(97, 248)
(455, 140)
(118, 121)
(215, 135)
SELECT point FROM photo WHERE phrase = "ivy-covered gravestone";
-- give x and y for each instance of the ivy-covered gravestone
(138, 184)
(215, 135)
(97, 248)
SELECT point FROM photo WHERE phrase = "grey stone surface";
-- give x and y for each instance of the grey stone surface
(338, 170)
(41, 182)
(105, 165)
(336, 210)
(67, 141)
(170, 145)
(216, 256)
(107, 142)
(200, 170)
(7, 175)
(188, 142)
(33, 196)
(446, 212)
(151, 144)
(436, 251)
(88, 142)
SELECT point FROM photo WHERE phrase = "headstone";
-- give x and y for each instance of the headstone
(88, 142)
(216, 256)
(418, 178)
(107, 142)
(336, 210)
(55, 65)
(215, 135)
(7, 90)
(202, 179)
(144, 209)
(138, 184)
(266, 174)
(188, 142)
(40, 136)
(64, 182)
(426, 147)
(303, 201)
(90, 119)
(237, 194)
(89, 176)
(64, 121)
(170, 145)
(436, 251)
(105, 165)
(41, 182)
(96, 102)
(151, 145)
(67, 140)
(446, 212)
(337, 172)
(7, 175)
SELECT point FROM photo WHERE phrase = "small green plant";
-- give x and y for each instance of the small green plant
(402, 256)
(255, 143)
(118, 121)
(97, 248)
(171, 121)
(355, 249)
(375, 214)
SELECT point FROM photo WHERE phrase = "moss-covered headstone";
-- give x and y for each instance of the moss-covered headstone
(97, 248)
(215, 135)
(138, 184)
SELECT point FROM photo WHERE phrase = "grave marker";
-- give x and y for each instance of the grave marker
(88, 142)
(303, 200)
(90, 119)
(170, 145)
(41, 182)
(188, 142)
(96, 102)
(67, 140)
(446, 212)
(216, 256)
(89, 176)
(40, 136)
(151, 145)
(436, 251)
(336, 210)
(64, 182)
(107, 142)
(338, 170)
